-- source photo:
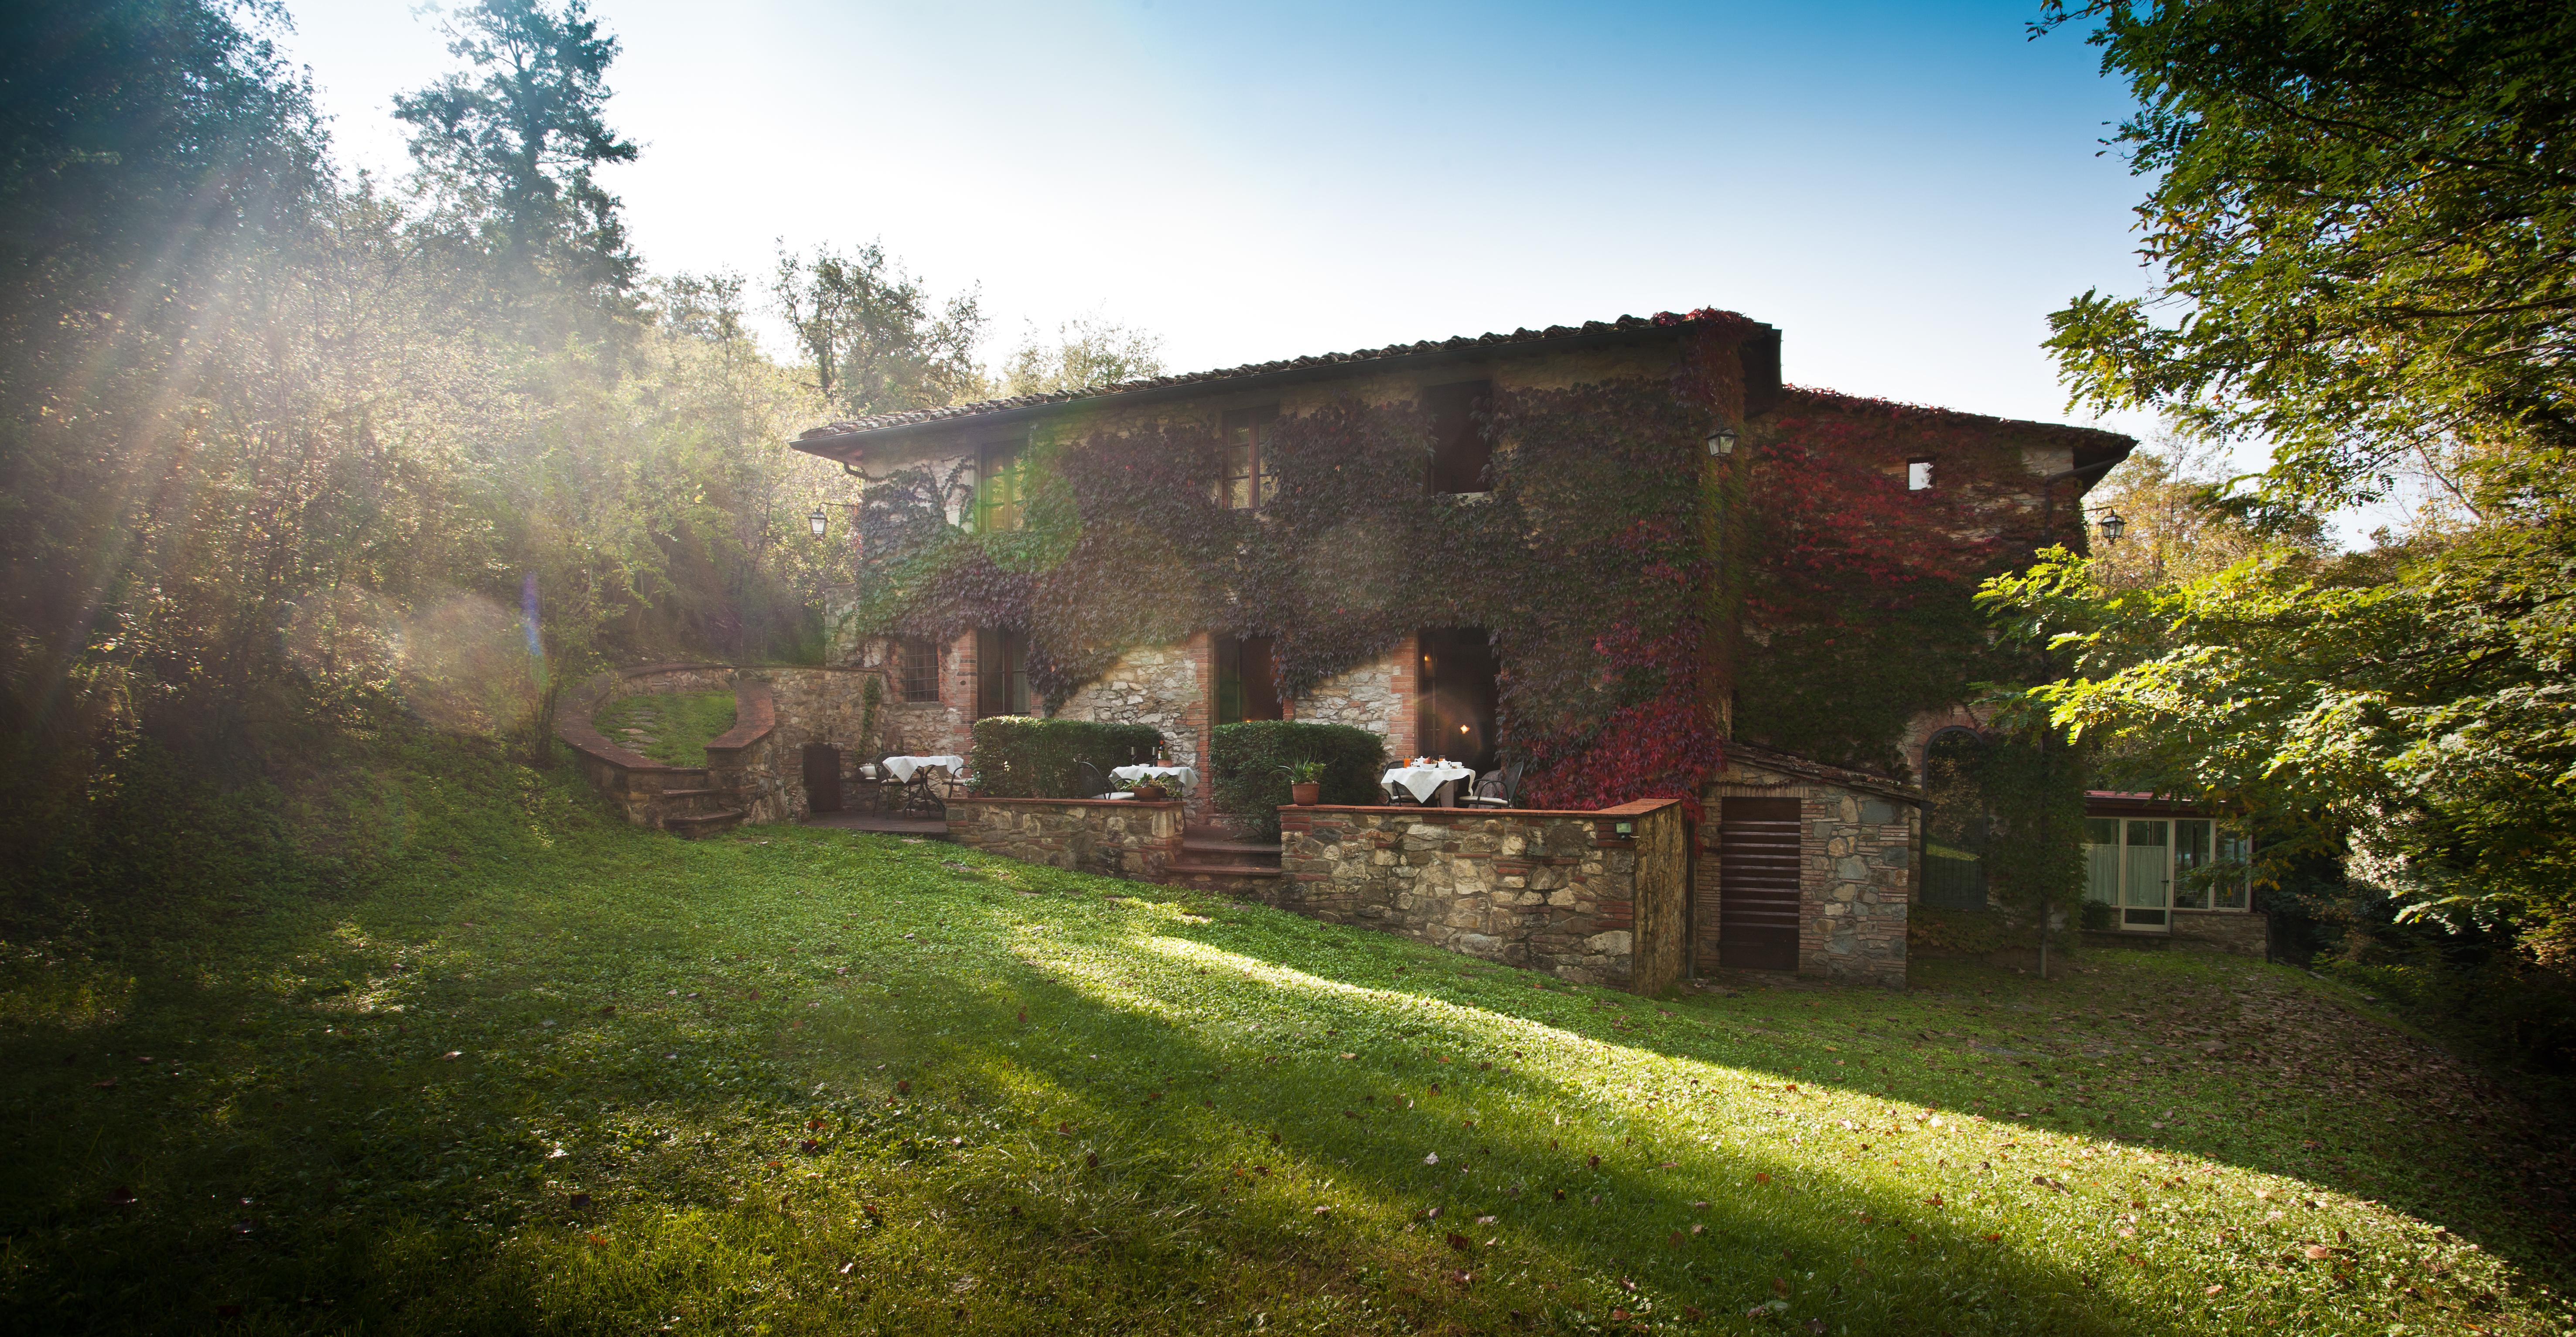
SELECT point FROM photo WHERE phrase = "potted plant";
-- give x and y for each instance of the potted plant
(1305, 783)
(1151, 789)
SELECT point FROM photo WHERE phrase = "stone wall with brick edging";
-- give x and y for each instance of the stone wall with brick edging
(1111, 837)
(1559, 891)
(1856, 863)
(756, 768)
(649, 792)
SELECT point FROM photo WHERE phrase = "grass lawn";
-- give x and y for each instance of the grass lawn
(554, 1074)
(672, 728)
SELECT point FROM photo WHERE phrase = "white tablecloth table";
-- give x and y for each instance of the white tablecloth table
(1424, 781)
(902, 768)
(1131, 774)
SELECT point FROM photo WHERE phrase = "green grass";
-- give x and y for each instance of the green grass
(549, 1073)
(674, 726)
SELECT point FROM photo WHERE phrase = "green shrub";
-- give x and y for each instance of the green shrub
(1019, 756)
(1245, 761)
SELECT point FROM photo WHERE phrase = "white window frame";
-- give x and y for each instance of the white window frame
(2219, 839)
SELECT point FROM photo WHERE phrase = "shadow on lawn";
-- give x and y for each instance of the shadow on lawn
(1337, 1127)
(2500, 1213)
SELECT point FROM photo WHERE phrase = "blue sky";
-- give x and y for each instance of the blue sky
(1905, 190)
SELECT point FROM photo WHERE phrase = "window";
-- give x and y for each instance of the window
(1001, 488)
(1462, 449)
(1918, 475)
(1001, 672)
(916, 669)
(1247, 680)
(1251, 476)
(2145, 868)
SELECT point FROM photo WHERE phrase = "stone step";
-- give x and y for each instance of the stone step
(1230, 845)
(1197, 868)
(697, 826)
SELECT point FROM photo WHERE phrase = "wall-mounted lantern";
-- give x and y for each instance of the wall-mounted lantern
(2112, 526)
(1721, 443)
(817, 522)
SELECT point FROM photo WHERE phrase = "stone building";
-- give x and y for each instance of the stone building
(1798, 863)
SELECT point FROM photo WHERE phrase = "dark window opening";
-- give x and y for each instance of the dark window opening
(1001, 488)
(916, 669)
(1459, 694)
(1462, 447)
(1251, 477)
(1247, 680)
(1001, 672)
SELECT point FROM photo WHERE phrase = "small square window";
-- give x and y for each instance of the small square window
(1918, 475)
(916, 669)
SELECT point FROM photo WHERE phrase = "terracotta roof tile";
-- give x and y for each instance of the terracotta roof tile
(913, 417)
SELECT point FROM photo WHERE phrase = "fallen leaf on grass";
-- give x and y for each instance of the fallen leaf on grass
(2318, 1252)
(102, 1085)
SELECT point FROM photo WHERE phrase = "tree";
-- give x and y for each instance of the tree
(516, 142)
(868, 330)
(2365, 215)
(1088, 351)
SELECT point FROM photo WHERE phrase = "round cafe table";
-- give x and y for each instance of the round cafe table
(1131, 774)
(1424, 781)
(902, 768)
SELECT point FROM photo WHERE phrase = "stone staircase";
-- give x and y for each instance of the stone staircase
(1218, 858)
(692, 805)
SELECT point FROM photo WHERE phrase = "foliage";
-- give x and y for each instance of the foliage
(2362, 213)
(514, 146)
(1305, 772)
(1859, 608)
(2417, 707)
(677, 726)
(766, 1058)
(1016, 756)
(1088, 351)
(1248, 767)
(868, 331)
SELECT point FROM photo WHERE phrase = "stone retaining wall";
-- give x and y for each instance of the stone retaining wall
(1569, 893)
(2238, 932)
(1112, 837)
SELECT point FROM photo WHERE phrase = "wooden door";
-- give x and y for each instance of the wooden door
(822, 777)
(1757, 878)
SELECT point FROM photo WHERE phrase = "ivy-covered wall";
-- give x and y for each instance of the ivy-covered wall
(1638, 585)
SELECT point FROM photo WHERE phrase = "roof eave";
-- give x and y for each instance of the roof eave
(841, 445)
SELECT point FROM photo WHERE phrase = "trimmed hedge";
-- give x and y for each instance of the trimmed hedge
(1020, 756)
(1245, 760)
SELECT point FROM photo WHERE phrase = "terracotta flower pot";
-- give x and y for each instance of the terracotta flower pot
(1307, 794)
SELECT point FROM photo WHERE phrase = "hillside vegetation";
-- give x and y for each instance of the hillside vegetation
(527, 1069)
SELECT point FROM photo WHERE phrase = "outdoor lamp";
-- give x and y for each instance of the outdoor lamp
(2113, 526)
(1721, 443)
(817, 521)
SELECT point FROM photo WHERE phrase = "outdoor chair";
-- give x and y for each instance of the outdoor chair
(1094, 784)
(1501, 788)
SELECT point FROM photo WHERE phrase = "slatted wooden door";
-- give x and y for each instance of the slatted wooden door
(1757, 870)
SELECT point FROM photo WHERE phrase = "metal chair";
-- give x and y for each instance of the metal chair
(1094, 784)
(1501, 788)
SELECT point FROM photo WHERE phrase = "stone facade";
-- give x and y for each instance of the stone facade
(2237, 932)
(1378, 696)
(1563, 892)
(1856, 865)
(1163, 686)
(1112, 837)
